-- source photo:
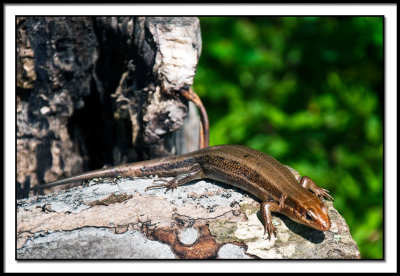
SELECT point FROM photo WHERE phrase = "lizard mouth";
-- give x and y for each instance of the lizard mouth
(317, 221)
(325, 225)
(321, 224)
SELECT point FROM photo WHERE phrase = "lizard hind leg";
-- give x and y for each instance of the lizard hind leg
(163, 181)
(194, 173)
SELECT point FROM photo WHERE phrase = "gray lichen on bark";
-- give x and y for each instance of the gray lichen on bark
(195, 221)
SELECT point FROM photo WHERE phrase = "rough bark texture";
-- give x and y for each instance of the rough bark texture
(119, 219)
(96, 91)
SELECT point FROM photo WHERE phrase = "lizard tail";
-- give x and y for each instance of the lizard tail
(166, 166)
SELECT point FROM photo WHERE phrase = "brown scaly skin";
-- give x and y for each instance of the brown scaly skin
(280, 188)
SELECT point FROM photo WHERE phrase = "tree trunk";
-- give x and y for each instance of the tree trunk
(96, 91)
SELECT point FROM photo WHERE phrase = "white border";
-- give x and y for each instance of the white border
(390, 13)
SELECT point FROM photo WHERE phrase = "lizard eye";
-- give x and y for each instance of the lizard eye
(309, 217)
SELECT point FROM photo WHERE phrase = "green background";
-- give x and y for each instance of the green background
(308, 91)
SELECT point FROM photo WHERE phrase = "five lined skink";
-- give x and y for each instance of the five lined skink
(280, 188)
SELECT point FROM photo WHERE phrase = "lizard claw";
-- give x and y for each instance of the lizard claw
(172, 185)
(271, 229)
(164, 183)
(323, 193)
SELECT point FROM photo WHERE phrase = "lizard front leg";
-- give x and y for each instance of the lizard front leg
(266, 209)
(309, 184)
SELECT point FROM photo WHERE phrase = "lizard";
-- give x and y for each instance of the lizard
(280, 188)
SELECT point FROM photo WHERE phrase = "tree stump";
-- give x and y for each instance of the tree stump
(101, 91)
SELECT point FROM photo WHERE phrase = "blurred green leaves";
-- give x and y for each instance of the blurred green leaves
(308, 91)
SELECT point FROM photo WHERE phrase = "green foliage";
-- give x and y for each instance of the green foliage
(308, 91)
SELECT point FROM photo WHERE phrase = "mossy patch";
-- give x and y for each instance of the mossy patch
(249, 209)
(223, 231)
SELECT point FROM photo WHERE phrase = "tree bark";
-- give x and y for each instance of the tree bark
(120, 219)
(96, 91)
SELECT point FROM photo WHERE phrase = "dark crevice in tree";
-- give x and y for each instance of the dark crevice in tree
(91, 131)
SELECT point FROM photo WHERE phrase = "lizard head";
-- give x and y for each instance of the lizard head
(312, 213)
